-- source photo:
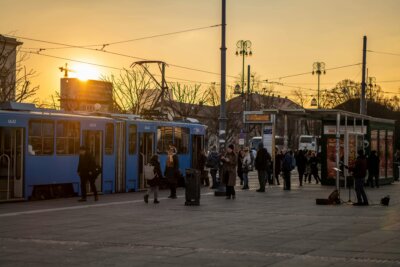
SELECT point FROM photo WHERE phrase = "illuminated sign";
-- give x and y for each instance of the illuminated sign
(257, 118)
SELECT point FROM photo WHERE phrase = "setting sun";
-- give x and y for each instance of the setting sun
(85, 72)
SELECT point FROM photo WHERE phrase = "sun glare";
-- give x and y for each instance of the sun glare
(85, 72)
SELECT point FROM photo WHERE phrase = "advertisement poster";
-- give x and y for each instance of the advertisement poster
(382, 153)
(352, 150)
(331, 156)
(374, 140)
(389, 154)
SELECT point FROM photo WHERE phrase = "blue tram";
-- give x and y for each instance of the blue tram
(39, 150)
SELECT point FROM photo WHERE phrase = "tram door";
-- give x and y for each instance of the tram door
(11, 163)
(146, 150)
(197, 147)
(93, 141)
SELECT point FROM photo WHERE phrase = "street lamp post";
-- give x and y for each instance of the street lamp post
(243, 48)
(318, 69)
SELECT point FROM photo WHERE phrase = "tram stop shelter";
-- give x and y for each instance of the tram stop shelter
(342, 135)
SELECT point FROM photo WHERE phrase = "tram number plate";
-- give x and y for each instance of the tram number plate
(12, 121)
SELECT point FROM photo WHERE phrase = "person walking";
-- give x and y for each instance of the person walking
(373, 169)
(262, 165)
(287, 167)
(229, 171)
(359, 172)
(213, 163)
(307, 173)
(314, 168)
(86, 171)
(301, 162)
(246, 163)
(172, 171)
(155, 182)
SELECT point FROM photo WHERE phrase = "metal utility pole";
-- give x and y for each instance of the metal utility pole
(363, 108)
(222, 112)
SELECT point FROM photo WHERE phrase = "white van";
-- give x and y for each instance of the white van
(308, 142)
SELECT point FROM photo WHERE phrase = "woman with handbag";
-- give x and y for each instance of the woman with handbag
(155, 182)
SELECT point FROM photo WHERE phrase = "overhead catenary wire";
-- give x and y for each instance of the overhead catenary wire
(384, 53)
(89, 47)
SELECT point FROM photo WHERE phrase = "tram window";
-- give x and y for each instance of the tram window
(181, 138)
(132, 139)
(41, 137)
(109, 144)
(67, 137)
(164, 139)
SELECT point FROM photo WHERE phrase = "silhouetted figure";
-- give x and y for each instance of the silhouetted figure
(172, 171)
(301, 162)
(278, 165)
(213, 162)
(287, 166)
(229, 171)
(155, 182)
(246, 163)
(239, 165)
(359, 172)
(86, 171)
(202, 159)
(373, 169)
(262, 164)
(314, 168)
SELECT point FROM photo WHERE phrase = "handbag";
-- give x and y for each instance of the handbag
(148, 172)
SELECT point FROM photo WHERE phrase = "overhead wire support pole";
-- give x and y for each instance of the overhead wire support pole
(363, 109)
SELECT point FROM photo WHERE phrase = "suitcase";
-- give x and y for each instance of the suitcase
(192, 187)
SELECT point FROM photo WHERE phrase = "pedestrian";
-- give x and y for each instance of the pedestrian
(373, 169)
(239, 165)
(301, 162)
(278, 165)
(397, 165)
(86, 171)
(246, 165)
(314, 168)
(307, 173)
(262, 165)
(359, 172)
(155, 182)
(213, 163)
(201, 165)
(172, 171)
(229, 171)
(287, 166)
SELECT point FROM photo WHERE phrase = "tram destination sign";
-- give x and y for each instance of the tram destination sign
(257, 117)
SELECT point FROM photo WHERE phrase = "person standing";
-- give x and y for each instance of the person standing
(213, 163)
(287, 167)
(86, 171)
(229, 171)
(239, 165)
(155, 182)
(373, 169)
(307, 173)
(359, 172)
(246, 163)
(262, 165)
(301, 162)
(278, 165)
(172, 171)
(202, 159)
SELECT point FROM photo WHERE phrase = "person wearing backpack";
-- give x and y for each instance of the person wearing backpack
(213, 163)
(287, 167)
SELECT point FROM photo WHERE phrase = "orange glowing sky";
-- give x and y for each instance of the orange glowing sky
(287, 36)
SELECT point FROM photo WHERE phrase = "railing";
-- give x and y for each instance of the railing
(8, 173)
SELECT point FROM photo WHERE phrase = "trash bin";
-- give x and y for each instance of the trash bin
(192, 186)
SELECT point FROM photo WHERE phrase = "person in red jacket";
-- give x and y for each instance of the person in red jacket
(359, 172)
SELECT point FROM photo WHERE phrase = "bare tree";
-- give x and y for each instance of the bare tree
(133, 91)
(15, 78)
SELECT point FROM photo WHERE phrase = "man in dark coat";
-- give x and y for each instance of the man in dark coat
(86, 169)
(262, 164)
(373, 169)
(214, 164)
(301, 162)
(278, 165)
(172, 171)
(359, 172)
(287, 167)
(229, 171)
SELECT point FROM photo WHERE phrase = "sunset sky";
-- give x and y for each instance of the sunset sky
(287, 36)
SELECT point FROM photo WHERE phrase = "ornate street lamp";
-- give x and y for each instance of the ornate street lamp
(318, 69)
(243, 48)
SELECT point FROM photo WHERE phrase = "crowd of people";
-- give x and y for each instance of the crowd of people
(233, 163)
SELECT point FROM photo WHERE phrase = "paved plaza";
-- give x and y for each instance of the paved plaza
(275, 228)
